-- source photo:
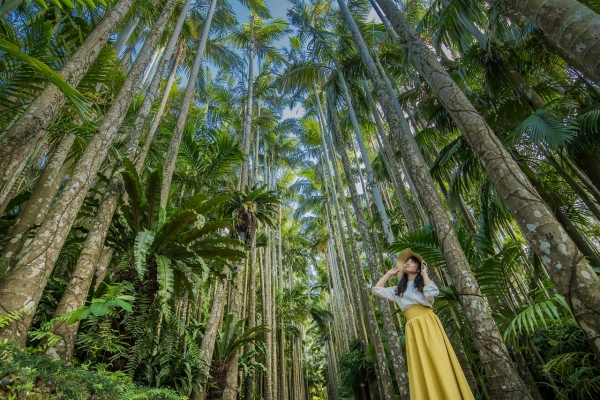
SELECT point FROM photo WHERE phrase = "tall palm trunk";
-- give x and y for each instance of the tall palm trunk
(143, 154)
(38, 205)
(21, 138)
(23, 287)
(248, 119)
(407, 209)
(568, 24)
(249, 388)
(76, 291)
(571, 273)
(518, 19)
(330, 162)
(367, 162)
(188, 96)
(371, 257)
(210, 335)
(504, 380)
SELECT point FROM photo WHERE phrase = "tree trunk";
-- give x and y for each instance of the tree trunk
(81, 279)
(329, 162)
(568, 24)
(371, 257)
(78, 287)
(190, 90)
(143, 154)
(210, 335)
(23, 287)
(248, 120)
(17, 143)
(407, 210)
(102, 268)
(387, 230)
(494, 356)
(571, 273)
(251, 323)
(518, 19)
(36, 208)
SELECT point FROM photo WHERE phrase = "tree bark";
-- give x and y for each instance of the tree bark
(518, 19)
(29, 130)
(371, 257)
(569, 25)
(504, 380)
(248, 119)
(251, 323)
(207, 346)
(23, 287)
(78, 287)
(143, 154)
(571, 273)
(188, 96)
(36, 208)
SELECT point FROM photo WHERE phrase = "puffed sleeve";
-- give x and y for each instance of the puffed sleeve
(430, 291)
(385, 292)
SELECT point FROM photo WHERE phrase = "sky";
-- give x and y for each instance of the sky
(278, 9)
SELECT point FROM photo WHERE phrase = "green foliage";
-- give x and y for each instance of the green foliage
(109, 303)
(355, 368)
(233, 337)
(27, 376)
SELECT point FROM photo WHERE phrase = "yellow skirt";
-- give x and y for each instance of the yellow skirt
(433, 369)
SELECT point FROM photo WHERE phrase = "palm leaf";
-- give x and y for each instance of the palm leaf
(143, 240)
(61, 83)
(164, 275)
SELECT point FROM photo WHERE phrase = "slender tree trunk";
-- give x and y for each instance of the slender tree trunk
(367, 162)
(362, 224)
(210, 335)
(251, 323)
(188, 96)
(102, 268)
(568, 24)
(23, 287)
(36, 208)
(571, 273)
(246, 136)
(330, 161)
(407, 210)
(520, 20)
(143, 154)
(21, 138)
(502, 376)
(78, 287)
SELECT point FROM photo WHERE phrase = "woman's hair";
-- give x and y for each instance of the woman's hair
(419, 282)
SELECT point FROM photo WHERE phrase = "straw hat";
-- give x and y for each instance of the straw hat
(402, 257)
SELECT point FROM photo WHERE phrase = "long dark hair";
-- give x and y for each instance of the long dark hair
(419, 282)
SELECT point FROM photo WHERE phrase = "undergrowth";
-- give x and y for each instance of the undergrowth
(26, 375)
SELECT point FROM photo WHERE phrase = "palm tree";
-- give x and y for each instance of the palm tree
(257, 37)
(169, 165)
(52, 234)
(532, 214)
(25, 133)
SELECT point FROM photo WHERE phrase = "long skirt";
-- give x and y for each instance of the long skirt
(433, 369)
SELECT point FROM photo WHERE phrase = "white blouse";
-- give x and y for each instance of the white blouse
(411, 297)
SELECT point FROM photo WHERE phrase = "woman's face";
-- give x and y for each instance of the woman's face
(411, 266)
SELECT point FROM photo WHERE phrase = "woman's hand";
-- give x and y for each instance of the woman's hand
(424, 269)
(393, 271)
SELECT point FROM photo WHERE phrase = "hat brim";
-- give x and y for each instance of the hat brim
(403, 256)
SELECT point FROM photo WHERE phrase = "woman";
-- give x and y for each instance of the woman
(433, 369)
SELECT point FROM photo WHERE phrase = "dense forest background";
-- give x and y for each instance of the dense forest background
(195, 205)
